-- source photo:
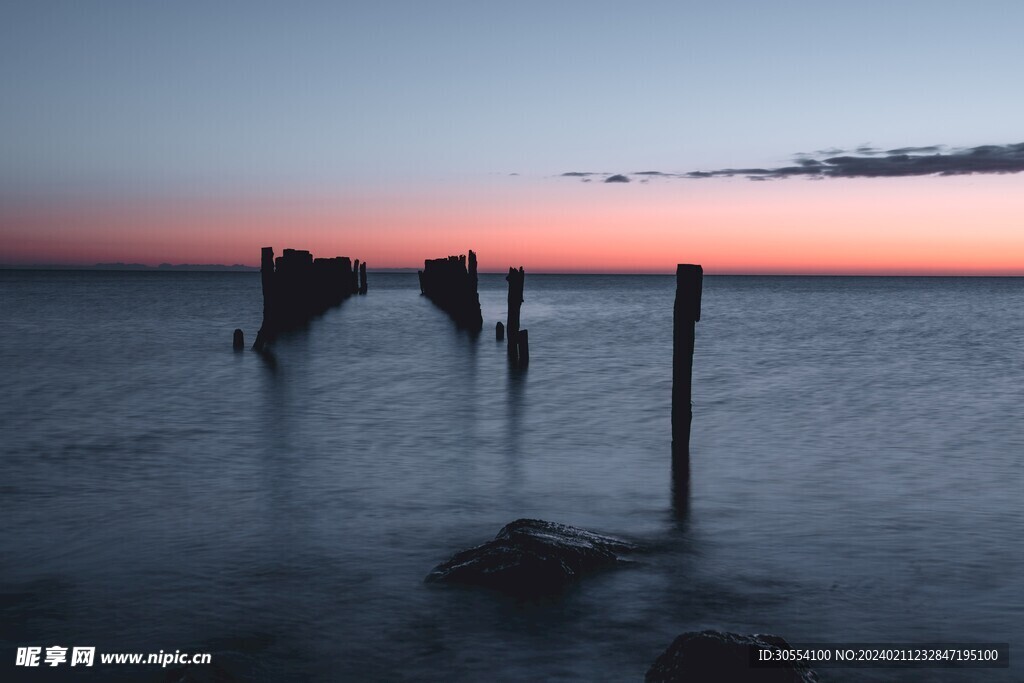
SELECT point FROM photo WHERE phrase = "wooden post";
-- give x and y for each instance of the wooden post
(266, 332)
(515, 280)
(471, 271)
(238, 341)
(689, 281)
(499, 331)
(474, 316)
(362, 277)
(523, 348)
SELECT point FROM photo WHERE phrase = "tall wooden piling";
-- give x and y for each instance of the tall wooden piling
(516, 280)
(362, 277)
(689, 283)
(267, 279)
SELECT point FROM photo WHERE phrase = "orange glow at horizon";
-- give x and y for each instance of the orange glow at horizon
(967, 225)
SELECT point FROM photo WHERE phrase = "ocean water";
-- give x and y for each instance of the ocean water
(856, 473)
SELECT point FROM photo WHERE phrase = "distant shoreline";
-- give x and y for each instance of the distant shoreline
(240, 268)
(192, 267)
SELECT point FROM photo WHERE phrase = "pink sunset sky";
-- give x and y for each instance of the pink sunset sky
(964, 225)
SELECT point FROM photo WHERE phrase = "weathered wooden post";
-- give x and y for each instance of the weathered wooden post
(238, 341)
(523, 348)
(362, 277)
(475, 317)
(266, 332)
(689, 283)
(499, 331)
(515, 280)
(471, 271)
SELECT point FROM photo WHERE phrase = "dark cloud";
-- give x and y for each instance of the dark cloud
(863, 162)
(917, 150)
(868, 162)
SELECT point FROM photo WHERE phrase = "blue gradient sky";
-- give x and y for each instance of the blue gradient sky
(245, 94)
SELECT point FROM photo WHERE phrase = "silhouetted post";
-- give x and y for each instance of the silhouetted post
(523, 348)
(515, 280)
(362, 277)
(499, 331)
(238, 342)
(471, 270)
(267, 280)
(689, 282)
(474, 314)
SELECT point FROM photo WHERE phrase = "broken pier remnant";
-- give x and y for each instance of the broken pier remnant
(297, 287)
(689, 283)
(518, 340)
(451, 283)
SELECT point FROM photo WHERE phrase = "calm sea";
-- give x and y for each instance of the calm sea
(856, 473)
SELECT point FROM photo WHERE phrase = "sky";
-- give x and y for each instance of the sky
(756, 137)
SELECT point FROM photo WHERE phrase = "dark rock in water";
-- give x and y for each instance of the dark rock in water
(695, 657)
(532, 557)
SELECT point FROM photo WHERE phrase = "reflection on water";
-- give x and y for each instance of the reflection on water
(855, 472)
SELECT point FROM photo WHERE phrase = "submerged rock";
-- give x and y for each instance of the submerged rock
(532, 557)
(695, 657)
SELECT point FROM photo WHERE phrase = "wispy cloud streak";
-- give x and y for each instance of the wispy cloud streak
(865, 162)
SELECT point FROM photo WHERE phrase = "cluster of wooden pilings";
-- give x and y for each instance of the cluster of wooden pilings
(451, 283)
(297, 287)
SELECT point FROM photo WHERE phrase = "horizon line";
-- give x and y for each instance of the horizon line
(246, 268)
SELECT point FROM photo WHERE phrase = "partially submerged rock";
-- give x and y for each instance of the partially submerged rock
(532, 557)
(695, 657)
